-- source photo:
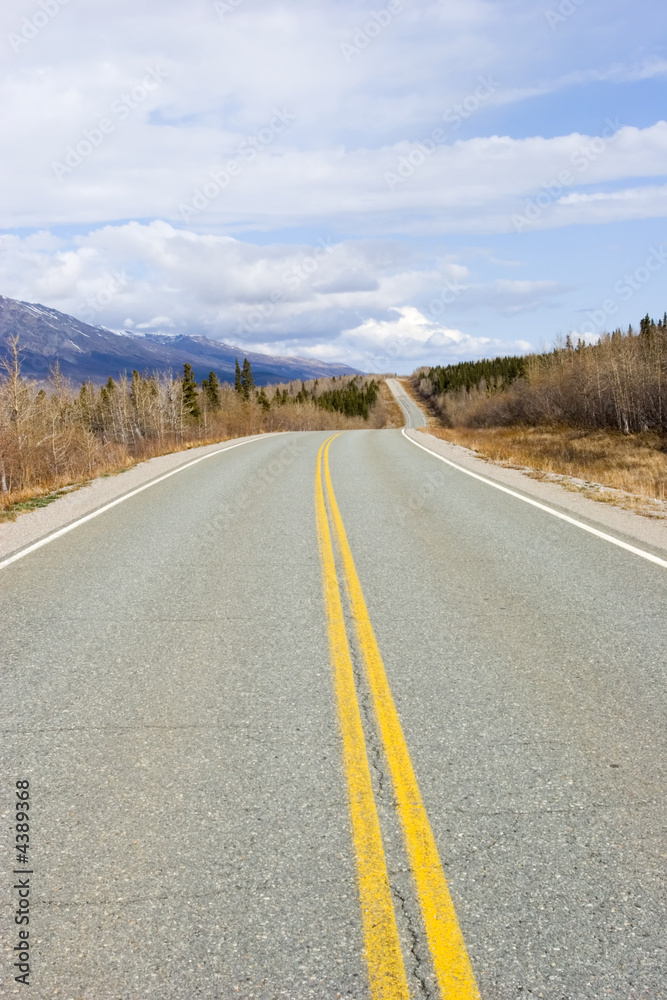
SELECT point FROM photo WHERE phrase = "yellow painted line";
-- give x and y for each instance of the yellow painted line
(450, 957)
(383, 950)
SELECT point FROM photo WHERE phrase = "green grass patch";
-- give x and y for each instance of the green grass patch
(11, 512)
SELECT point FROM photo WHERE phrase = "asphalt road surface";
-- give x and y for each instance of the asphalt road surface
(412, 414)
(348, 740)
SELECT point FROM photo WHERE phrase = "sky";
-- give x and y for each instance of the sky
(386, 185)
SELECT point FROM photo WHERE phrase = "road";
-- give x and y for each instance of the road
(238, 782)
(412, 414)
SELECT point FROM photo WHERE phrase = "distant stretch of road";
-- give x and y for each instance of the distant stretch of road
(322, 716)
(412, 414)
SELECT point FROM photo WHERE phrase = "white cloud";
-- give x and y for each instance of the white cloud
(330, 300)
(221, 79)
(351, 122)
(412, 338)
(164, 277)
(473, 185)
(401, 343)
(156, 323)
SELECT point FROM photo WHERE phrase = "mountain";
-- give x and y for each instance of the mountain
(92, 352)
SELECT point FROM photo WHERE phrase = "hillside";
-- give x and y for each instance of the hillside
(596, 413)
(92, 352)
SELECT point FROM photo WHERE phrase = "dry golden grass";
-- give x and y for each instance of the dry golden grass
(114, 458)
(394, 414)
(430, 419)
(42, 493)
(635, 464)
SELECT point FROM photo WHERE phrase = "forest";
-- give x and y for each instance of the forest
(596, 412)
(55, 436)
(618, 382)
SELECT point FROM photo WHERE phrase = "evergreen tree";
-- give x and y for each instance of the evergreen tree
(136, 377)
(211, 390)
(496, 372)
(302, 394)
(263, 400)
(247, 379)
(107, 391)
(86, 402)
(353, 399)
(237, 380)
(214, 391)
(190, 393)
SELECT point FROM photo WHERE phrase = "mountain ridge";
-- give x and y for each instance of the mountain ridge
(83, 351)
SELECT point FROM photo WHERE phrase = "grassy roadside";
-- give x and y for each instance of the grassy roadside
(430, 419)
(394, 414)
(43, 494)
(33, 502)
(628, 470)
(116, 458)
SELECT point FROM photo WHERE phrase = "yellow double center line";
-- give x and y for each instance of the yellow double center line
(383, 951)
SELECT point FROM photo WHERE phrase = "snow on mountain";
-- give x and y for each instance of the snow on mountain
(92, 352)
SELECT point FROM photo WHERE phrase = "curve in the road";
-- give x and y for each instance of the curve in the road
(51, 537)
(448, 951)
(167, 692)
(412, 414)
(542, 506)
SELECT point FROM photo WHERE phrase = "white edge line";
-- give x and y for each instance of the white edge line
(114, 503)
(406, 408)
(541, 506)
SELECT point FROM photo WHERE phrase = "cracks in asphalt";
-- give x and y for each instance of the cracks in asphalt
(382, 786)
(72, 619)
(381, 780)
(406, 906)
(419, 967)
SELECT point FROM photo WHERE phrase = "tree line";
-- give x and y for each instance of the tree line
(618, 382)
(496, 373)
(352, 397)
(53, 434)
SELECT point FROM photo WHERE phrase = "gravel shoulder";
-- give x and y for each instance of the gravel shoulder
(635, 528)
(36, 524)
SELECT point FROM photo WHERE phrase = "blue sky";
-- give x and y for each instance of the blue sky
(388, 185)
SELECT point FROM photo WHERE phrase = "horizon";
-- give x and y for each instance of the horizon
(419, 185)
